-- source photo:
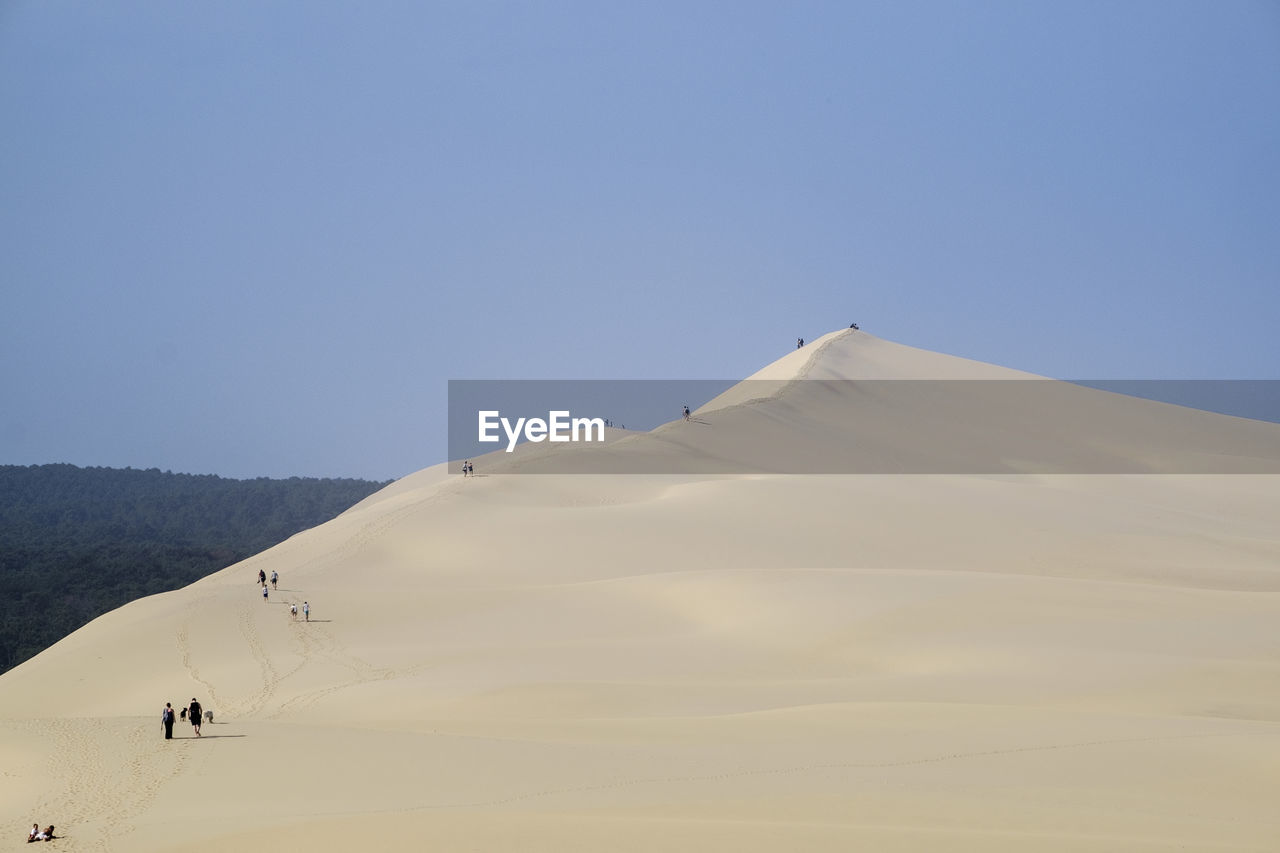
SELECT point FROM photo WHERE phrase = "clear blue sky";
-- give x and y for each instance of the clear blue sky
(257, 238)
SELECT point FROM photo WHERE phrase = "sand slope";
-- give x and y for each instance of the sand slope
(706, 661)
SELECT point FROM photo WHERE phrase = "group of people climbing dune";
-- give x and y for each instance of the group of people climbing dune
(275, 580)
(193, 712)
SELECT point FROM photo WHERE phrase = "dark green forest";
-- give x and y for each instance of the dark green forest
(78, 542)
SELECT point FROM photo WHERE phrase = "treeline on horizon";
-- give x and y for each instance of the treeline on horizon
(78, 542)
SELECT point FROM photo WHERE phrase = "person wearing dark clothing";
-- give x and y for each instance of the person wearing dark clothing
(194, 713)
(166, 717)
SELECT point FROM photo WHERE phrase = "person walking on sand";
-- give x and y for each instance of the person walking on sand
(275, 576)
(306, 611)
(166, 717)
(264, 592)
(293, 611)
(195, 712)
(262, 576)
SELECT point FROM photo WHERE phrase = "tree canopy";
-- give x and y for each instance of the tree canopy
(78, 542)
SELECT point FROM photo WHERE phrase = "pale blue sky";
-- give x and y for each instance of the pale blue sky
(257, 238)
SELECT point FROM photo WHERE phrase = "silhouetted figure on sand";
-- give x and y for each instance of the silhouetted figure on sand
(194, 713)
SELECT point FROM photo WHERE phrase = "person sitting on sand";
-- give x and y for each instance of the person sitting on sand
(35, 830)
(48, 834)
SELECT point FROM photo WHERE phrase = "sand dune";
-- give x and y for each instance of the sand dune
(747, 660)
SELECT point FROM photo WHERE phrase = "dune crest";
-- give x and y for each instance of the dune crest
(851, 354)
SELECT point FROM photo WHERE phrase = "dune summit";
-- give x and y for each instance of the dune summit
(708, 661)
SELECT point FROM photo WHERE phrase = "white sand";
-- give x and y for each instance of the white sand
(754, 662)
